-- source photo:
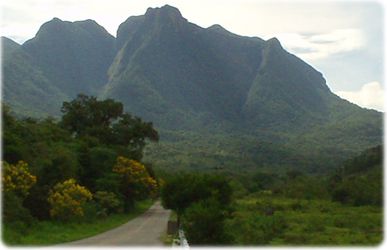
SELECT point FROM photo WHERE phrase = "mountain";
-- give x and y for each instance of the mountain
(182, 70)
(25, 87)
(74, 56)
(217, 98)
(63, 59)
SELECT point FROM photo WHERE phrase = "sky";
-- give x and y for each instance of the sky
(344, 40)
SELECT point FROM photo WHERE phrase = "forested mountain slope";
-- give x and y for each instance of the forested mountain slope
(218, 99)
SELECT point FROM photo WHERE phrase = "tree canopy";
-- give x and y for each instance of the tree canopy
(106, 121)
(83, 147)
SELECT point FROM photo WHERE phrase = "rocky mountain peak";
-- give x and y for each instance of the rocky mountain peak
(165, 11)
(166, 16)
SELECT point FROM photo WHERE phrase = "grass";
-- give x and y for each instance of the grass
(51, 233)
(166, 238)
(304, 223)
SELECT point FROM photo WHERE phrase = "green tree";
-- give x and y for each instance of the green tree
(85, 114)
(11, 135)
(179, 192)
(131, 132)
(136, 182)
(204, 223)
(106, 121)
(99, 163)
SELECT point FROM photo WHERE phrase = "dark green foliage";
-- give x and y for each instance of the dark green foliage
(108, 201)
(364, 162)
(100, 162)
(204, 223)
(14, 211)
(105, 121)
(87, 115)
(260, 181)
(15, 218)
(359, 181)
(110, 182)
(185, 189)
(306, 188)
(360, 190)
(203, 204)
(178, 193)
(293, 174)
(254, 228)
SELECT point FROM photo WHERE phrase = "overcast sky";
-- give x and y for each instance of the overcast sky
(341, 39)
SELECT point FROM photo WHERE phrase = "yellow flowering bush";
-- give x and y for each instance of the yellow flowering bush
(129, 168)
(136, 177)
(150, 184)
(66, 199)
(17, 178)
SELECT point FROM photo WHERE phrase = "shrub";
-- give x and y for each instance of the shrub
(14, 211)
(204, 223)
(136, 183)
(108, 201)
(16, 178)
(16, 183)
(253, 228)
(66, 200)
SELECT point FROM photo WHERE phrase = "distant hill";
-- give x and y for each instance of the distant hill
(218, 99)
(7, 45)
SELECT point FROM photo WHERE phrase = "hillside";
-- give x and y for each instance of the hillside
(217, 99)
(8, 45)
(61, 61)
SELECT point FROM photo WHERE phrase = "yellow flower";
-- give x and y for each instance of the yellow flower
(17, 178)
(68, 197)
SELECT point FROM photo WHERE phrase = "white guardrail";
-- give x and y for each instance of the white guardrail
(182, 242)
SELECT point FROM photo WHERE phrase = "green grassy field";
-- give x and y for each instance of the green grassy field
(300, 222)
(50, 233)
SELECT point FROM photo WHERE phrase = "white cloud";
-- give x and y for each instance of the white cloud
(318, 46)
(370, 96)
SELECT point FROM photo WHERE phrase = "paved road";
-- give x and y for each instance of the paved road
(145, 230)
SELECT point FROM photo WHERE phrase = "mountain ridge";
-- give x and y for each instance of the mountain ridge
(189, 80)
(77, 54)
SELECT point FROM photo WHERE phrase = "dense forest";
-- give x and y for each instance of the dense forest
(89, 166)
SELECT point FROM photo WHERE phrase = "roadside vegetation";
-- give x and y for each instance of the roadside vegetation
(64, 178)
(293, 209)
(45, 233)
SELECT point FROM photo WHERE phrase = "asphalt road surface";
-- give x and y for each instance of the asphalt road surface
(145, 230)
